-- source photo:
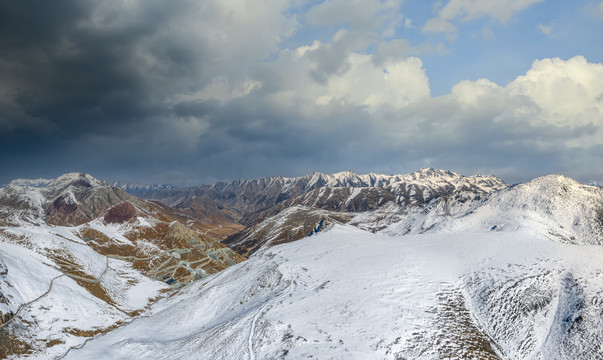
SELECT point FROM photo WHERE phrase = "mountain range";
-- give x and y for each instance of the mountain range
(431, 264)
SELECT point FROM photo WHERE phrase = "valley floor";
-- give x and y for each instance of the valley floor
(351, 294)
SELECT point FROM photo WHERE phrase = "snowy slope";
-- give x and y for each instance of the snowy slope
(350, 294)
(553, 206)
(90, 292)
(451, 267)
(61, 285)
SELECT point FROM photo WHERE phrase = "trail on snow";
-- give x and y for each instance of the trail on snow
(32, 301)
(282, 294)
(97, 280)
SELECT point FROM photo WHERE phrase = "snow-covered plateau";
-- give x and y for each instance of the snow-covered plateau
(350, 294)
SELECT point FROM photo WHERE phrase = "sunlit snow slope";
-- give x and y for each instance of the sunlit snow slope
(350, 294)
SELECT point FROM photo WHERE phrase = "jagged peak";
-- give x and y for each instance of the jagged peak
(344, 174)
(77, 179)
(430, 172)
(349, 178)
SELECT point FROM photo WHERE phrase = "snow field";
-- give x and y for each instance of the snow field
(350, 294)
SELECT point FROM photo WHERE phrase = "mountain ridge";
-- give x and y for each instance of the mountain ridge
(119, 254)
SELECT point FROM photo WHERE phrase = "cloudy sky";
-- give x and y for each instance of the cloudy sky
(188, 91)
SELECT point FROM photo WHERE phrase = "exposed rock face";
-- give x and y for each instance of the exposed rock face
(79, 198)
(5, 313)
(290, 225)
(343, 196)
(553, 206)
(120, 213)
(69, 200)
(160, 241)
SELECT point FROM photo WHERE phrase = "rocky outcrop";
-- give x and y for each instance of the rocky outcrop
(74, 199)
(120, 213)
(69, 200)
(290, 225)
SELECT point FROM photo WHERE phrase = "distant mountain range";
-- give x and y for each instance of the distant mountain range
(134, 187)
(515, 266)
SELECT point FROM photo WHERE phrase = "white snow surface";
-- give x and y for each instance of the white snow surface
(553, 206)
(474, 267)
(68, 307)
(351, 294)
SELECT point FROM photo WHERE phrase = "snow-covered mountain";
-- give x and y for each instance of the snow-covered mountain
(250, 196)
(350, 294)
(554, 206)
(426, 265)
(31, 182)
(70, 199)
(595, 183)
(79, 258)
(436, 201)
(134, 187)
(345, 193)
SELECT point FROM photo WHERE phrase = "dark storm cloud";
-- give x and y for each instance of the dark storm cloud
(80, 71)
(82, 76)
(193, 91)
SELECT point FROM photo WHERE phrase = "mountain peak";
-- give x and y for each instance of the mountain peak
(554, 180)
(347, 173)
(77, 179)
(70, 199)
(430, 172)
(135, 187)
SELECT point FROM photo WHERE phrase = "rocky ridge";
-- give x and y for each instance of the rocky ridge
(554, 206)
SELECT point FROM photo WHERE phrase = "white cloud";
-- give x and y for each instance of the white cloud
(467, 10)
(545, 29)
(569, 93)
(438, 25)
(361, 15)
(554, 110)
(501, 10)
(408, 23)
(400, 48)
(487, 33)
(380, 101)
(361, 82)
